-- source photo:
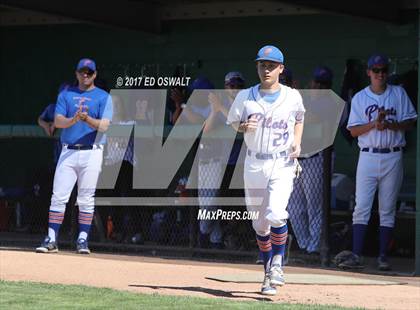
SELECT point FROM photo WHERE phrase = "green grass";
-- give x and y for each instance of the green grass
(30, 295)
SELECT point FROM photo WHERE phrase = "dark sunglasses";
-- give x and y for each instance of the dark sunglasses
(378, 70)
(88, 73)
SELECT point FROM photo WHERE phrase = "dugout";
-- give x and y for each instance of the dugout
(41, 41)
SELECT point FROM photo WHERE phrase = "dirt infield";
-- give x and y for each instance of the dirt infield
(182, 277)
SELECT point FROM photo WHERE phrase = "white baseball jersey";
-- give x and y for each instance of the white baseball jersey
(276, 121)
(364, 109)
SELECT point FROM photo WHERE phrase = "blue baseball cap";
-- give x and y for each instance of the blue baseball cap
(201, 83)
(86, 63)
(378, 59)
(271, 53)
(234, 77)
(322, 74)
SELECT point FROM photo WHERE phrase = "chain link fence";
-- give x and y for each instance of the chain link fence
(24, 207)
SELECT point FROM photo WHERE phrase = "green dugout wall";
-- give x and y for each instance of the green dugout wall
(34, 60)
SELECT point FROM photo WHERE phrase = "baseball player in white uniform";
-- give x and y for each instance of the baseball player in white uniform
(271, 117)
(380, 114)
(84, 112)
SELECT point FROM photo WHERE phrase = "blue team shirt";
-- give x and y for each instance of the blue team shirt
(99, 105)
(270, 97)
(48, 114)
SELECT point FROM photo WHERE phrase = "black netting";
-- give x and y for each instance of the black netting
(24, 207)
(306, 203)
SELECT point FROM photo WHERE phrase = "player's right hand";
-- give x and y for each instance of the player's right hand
(77, 115)
(381, 115)
(296, 149)
(84, 113)
(379, 122)
(252, 123)
(380, 125)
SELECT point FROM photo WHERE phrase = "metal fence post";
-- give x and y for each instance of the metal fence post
(417, 251)
(326, 208)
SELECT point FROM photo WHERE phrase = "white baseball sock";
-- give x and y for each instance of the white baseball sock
(51, 234)
(82, 235)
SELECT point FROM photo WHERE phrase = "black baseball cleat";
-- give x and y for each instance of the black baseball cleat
(383, 264)
(82, 246)
(47, 246)
(352, 262)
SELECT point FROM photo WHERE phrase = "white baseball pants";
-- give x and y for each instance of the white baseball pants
(385, 173)
(268, 185)
(82, 166)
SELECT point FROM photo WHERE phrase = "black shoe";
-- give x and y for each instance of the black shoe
(341, 257)
(47, 246)
(82, 247)
(314, 254)
(217, 245)
(352, 262)
(204, 241)
(383, 264)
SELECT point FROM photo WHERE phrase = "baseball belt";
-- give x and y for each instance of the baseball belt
(382, 151)
(82, 147)
(264, 156)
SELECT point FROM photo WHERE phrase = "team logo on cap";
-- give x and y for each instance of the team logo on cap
(377, 58)
(267, 51)
(86, 62)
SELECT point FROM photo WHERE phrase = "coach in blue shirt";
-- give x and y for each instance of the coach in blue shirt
(84, 113)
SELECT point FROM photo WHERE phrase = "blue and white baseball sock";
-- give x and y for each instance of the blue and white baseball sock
(85, 222)
(55, 219)
(359, 232)
(264, 244)
(385, 234)
(278, 241)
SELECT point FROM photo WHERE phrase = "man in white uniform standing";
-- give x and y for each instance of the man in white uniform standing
(271, 117)
(380, 115)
